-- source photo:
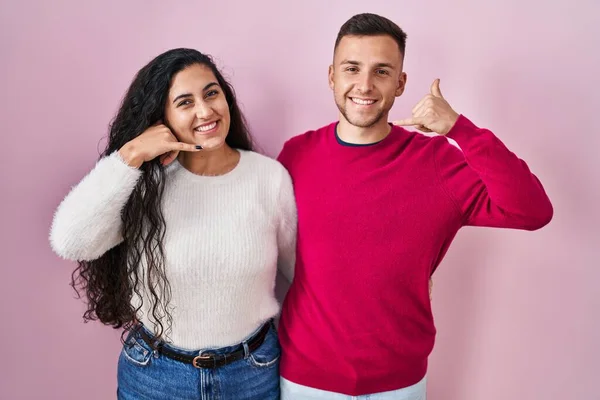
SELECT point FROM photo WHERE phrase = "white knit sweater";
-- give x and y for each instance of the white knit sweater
(225, 237)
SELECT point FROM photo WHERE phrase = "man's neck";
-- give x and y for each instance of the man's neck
(358, 135)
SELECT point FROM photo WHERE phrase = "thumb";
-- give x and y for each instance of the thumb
(435, 89)
(168, 158)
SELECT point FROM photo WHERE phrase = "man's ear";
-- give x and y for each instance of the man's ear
(330, 77)
(401, 84)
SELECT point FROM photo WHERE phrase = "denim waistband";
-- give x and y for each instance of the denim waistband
(211, 350)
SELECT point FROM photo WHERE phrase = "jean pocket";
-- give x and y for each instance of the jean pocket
(268, 353)
(135, 352)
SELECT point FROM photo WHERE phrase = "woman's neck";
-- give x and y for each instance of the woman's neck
(210, 162)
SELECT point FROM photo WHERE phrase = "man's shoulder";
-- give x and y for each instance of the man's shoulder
(312, 135)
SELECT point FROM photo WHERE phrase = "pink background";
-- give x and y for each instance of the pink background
(517, 313)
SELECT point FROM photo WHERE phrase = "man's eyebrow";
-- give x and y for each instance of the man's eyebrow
(378, 65)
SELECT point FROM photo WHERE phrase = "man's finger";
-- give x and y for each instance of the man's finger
(419, 112)
(419, 105)
(408, 122)
(435, 89)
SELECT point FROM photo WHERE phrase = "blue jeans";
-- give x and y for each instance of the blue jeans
(144, 375)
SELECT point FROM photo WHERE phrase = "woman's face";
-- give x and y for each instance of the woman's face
(196, 110)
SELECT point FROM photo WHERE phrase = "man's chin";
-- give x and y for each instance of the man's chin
(360, 121)
(363, 122)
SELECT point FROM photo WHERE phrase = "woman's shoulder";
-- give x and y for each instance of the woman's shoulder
(262, 163)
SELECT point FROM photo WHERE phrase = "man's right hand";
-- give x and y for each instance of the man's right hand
(156, 141)
(430, 288)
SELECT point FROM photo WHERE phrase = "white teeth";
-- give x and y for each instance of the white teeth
(206, 127)
(362, 102)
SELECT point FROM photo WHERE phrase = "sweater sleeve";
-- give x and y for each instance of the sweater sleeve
(88, 221)
(287, 226)
(488, 183)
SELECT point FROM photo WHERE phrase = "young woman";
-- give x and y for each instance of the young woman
(178, 231)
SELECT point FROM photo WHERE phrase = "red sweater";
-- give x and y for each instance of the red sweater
(374, 222)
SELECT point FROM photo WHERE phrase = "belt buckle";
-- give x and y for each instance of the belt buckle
(201, 358)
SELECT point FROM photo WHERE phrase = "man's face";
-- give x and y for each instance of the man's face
(366, 77)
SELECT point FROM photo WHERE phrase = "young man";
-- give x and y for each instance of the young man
(378, 207)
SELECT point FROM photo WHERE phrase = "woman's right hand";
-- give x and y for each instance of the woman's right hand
(156, 141)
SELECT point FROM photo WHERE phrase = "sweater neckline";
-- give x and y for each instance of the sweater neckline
(354, 146)
(218, 179)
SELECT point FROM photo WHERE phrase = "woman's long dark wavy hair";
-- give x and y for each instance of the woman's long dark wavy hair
(110, 282)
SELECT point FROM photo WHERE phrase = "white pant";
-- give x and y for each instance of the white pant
(293, 391)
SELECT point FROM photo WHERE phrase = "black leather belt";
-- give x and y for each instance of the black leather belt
(206, 360)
